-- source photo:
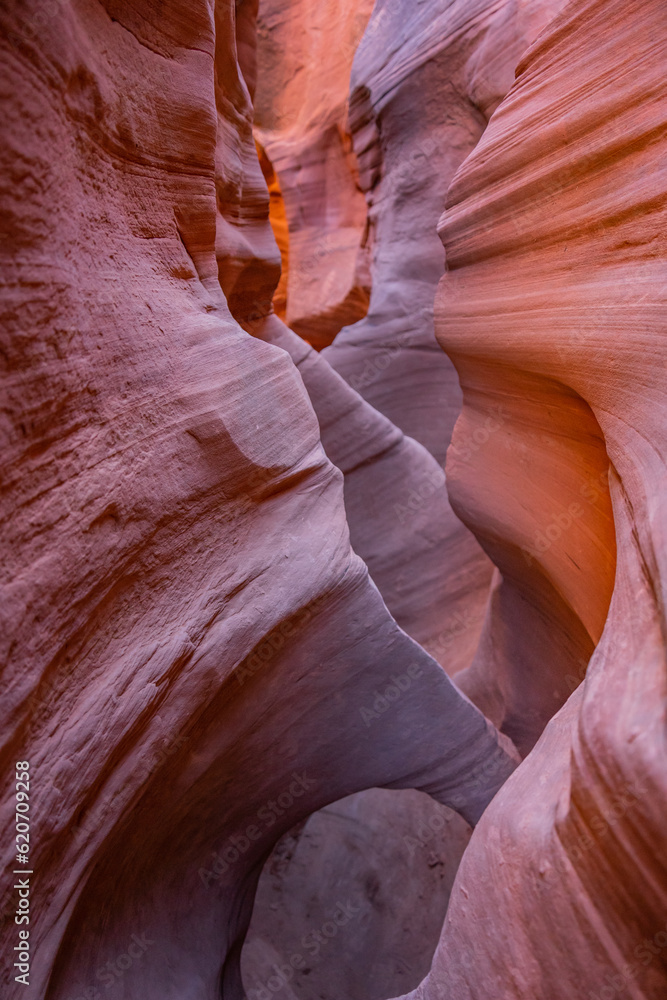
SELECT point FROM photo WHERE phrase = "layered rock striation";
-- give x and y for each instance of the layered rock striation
(424, 81)
(554, 302)
(226, 587)
(305, 50)
(186, 652)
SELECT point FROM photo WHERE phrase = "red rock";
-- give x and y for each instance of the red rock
(188, 651)
(425, 78)
(396, 502)
(195, 660)
(398, 511)
(305, 50)
(554, 233)
(402, 525)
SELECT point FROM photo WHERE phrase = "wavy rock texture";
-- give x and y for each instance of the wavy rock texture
(555, 302)
(430, 572)
(395, 498)
(305, 49)
(186, 651)
(401, 523)
(195, 661)
(453, 60)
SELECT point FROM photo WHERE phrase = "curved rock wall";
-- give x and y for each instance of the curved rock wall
(398, 511)
(555, 300)
(425, 78)
(196, 663)
(174, 616)
(402, 525)
(305, 50)
(330, 918)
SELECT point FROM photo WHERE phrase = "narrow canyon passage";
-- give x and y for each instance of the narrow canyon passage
(333, 500)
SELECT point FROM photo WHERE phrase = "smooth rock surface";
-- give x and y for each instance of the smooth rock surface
(186, 652)
(555, 296)
(435, 579)
(425, 79)
(305, 51)
(431, 572)
(211, 692)
(358, 910)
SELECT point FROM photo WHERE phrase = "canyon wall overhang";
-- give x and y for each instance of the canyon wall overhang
(554, 301)
(186, 652)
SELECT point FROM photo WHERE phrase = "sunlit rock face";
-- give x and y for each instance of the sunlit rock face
(201, 675)
(336, 875)
(425, 79)
(189, 641)
(305, 51)
(396, 501)
(554, 301)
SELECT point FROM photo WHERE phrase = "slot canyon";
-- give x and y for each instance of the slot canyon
(334, 499)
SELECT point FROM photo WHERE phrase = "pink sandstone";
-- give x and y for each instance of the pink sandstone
(554, 300)
(174, 618)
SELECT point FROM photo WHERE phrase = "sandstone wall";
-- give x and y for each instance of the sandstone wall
(185, 650)
(192, 649)
(305, 50)
(402, 525)
(554, 301)
(424, 81)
